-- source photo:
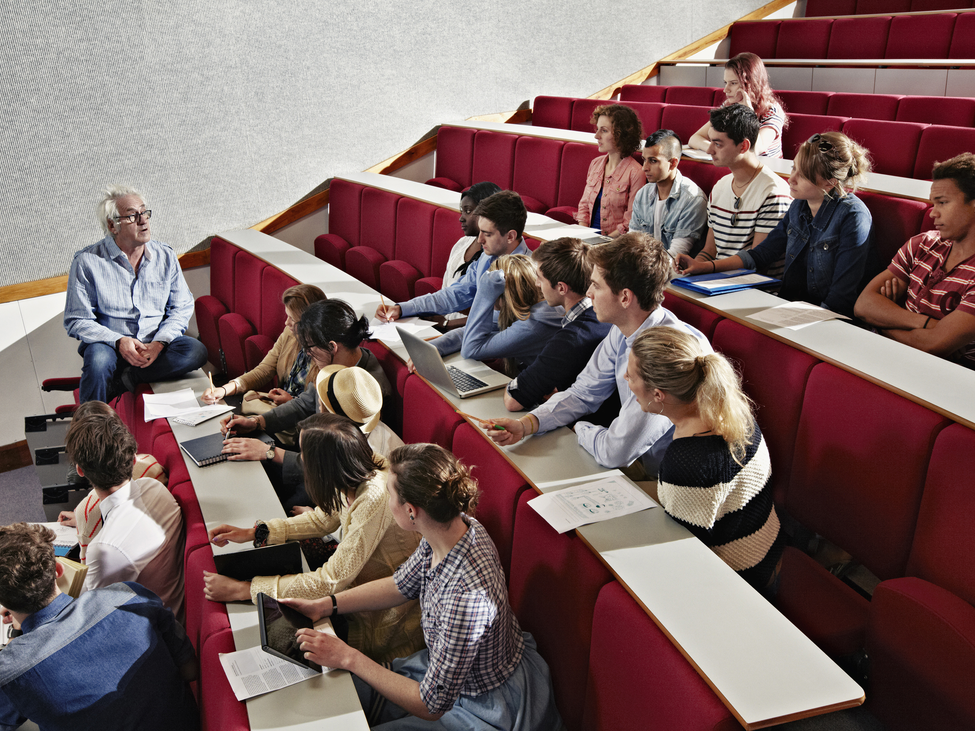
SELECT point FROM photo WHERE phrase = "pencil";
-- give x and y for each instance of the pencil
(382, 301)
(483, 421)
(210, 376)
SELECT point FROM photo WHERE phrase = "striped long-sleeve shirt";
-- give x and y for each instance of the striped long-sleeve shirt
(736, 219)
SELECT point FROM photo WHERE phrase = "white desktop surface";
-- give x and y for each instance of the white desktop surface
(239, 493)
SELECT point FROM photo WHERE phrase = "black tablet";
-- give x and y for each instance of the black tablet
(278, 624)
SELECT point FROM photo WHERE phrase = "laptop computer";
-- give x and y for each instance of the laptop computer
(464, 378)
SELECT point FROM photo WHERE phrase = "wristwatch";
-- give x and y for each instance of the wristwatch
(270, 454)
(261, 532)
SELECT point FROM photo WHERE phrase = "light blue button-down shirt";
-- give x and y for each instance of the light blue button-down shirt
(107, 300)
(685, 214)
(459, 295)
(634, 433)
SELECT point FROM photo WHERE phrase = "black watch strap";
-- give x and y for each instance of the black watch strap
(261, 533)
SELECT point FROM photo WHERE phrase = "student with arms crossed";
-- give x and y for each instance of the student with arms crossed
(627, 286)
(525, 324)
(563, 268)
(715, 477)
(825, 235)
(745, 206)
(501, 221)
(480, 671)
(670, 207)
(114, 658)
(926, 297)
(347, 482)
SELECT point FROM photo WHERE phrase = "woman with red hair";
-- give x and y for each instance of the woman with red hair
(746, 82)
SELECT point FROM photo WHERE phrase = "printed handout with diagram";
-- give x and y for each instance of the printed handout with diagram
(592, 502)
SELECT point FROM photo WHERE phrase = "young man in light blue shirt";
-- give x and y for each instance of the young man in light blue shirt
(628, 280)
(128, 304)
(670, 207)
(501, 222)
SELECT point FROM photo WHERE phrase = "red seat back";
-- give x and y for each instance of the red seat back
(864, 106)
(552, 111)
(858, 37)
(956, 111)
(893, 145)
(643, 93)
(920, 36)
(536, 172)
(939, 143)
(494, 158)
(803, 38)
(755, 36)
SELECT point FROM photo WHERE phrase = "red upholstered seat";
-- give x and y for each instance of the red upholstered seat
(234, 330)
(500, 484)
(554, 581)
(494, 158)
(377, 237)
(642, 93)
(803, 38)
(963, 37)
(344, 201)
(922, 6)
(939, 143)
(921, 636)
(804, 102)
(684, 119)
(803, 126)
(255, 348)
(872, 7)
(582, 110)
(695, 96)
(414, 232)
(446, 232)
(637, 677)
(956, 111)
(755, 36)
(576, 158)
(867, 506)
(921, 644)
(774, 374)
(920, 36)
(273, 284)
(552, 111)
(649, 114)
(895, 220)
(893, 145)
(170, 457)
(693, 314)
(429, 418)
(455, 151)
(210, 308)
(830, 8)
(859, 37)
(864, 106)
(536, 172)
(703, 173)
(219, 708)
(396, 373)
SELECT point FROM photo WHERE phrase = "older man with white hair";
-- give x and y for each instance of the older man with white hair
(128, 303)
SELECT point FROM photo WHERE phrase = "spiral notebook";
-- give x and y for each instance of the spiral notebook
(205, 451)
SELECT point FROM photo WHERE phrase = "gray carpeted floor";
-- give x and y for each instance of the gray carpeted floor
(20, 497)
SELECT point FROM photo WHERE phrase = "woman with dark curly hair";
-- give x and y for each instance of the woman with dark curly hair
(614, 177)
(746, 82)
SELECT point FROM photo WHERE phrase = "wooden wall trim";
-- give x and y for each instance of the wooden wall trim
(700, 44)
(14, 456)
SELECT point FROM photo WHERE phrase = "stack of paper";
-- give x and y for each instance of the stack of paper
(592, 502)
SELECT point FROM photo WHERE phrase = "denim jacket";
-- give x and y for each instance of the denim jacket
(838, 239)
(685, 214)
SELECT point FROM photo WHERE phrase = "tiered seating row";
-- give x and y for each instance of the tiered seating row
(954, 111)
(830, 8)
(895, 470)
(922, 36)
(901, 148)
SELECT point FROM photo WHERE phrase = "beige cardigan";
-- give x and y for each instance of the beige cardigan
(279, 361)
(372, 547)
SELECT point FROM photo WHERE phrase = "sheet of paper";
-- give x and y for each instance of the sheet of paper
(553, 230)
(365, 305)
(593, 502)
(201, 414)
(744, 279)
(796, 315)
(159, 405)
(253, 672)
(65, 535)
(386, 331)
(696, 154)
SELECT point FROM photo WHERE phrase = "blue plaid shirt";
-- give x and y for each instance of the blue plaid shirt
(107, 300)
(474, 639)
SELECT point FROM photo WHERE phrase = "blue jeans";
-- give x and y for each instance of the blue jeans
(181, 356)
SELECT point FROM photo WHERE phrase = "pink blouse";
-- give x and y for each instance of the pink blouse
(618, 194)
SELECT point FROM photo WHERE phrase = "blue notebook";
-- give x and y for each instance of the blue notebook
(724, 282)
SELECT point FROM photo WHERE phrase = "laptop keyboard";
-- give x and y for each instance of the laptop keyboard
(464, 381)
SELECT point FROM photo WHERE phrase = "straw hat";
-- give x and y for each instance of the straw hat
(351, 392)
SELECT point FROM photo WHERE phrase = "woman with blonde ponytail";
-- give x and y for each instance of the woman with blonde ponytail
(526, 322)
(480, 671)
(715, 476)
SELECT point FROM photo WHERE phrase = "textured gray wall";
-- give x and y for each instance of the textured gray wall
(226, 112)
